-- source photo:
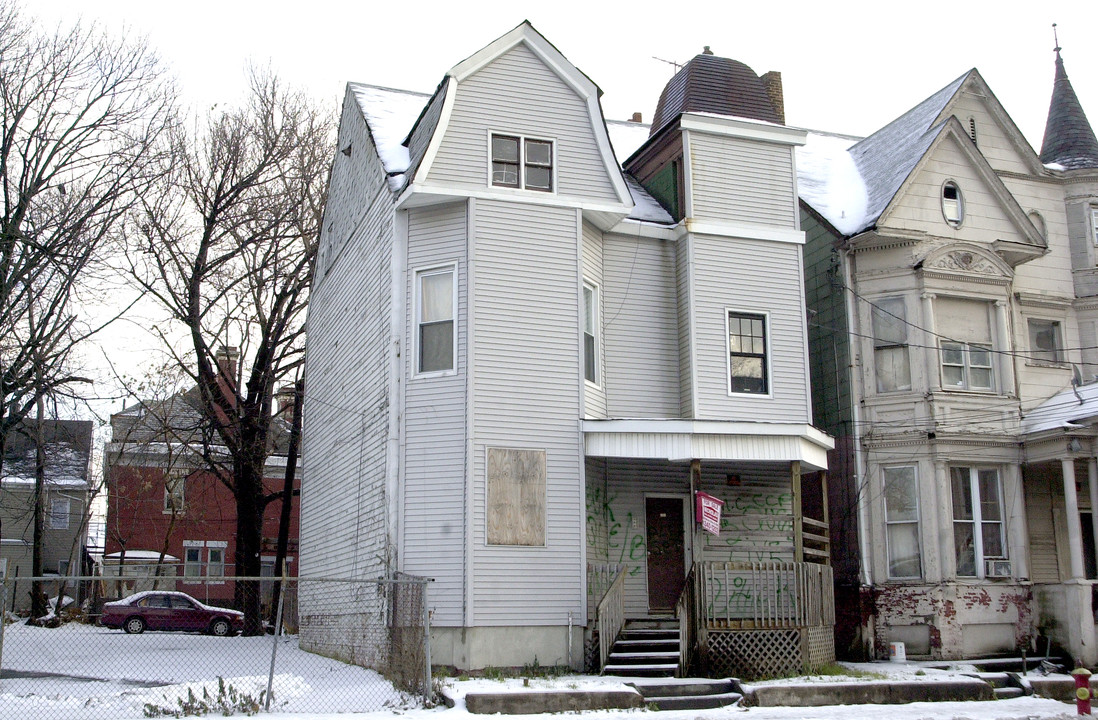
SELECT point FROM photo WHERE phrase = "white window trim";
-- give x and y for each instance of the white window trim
(977, 517)
(54, 502)
(1061, 359)
(522, 163)
(769, 356)
(917, 522)
(596, 293)
(215, 545)
(1094, 224)
(879, 304)
(170, 478)
(961, 209)
(193, 545)
(417, 297)
(967, 367)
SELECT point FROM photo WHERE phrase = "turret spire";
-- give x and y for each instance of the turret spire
(1069, 139)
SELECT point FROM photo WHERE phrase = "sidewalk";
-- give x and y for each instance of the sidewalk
(870, 691)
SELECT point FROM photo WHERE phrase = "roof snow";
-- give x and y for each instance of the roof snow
(626, 136)
(1063, 410)
(390, 114)
(828, 180)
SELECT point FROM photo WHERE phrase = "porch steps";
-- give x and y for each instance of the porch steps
(645, 648)
(692, 694)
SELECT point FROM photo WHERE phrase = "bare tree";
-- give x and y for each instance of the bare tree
(81, 119)
(228, 247)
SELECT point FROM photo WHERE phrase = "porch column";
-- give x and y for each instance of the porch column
(933, 377)
(1006, 371)
(941, 552)
(1092, 477)
(1016, 519)
(1074, 527)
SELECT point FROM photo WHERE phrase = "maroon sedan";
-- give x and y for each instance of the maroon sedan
(159, 610)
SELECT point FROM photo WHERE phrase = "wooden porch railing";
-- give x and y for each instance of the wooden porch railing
(686, 610)
(610, 609)
(750, 595)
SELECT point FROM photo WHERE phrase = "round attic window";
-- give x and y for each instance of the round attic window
(953, 204)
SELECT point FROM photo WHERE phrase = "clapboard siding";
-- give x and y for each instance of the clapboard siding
(684, 293)
(594, 395)
(355, 181)
(757, 277)
(526, 396)
(737, 180)
(434, 426)
(344, 531)
(641, 327)
(756, 525)
(518, 94)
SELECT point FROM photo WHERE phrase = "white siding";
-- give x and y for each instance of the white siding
(756, 277)
(736, 180)
(434, 426)
(518, 94)
(526, 395)
(684, 293)
(344, 531)
(641, 327)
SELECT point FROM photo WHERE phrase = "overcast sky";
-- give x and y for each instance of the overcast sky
(846, 66)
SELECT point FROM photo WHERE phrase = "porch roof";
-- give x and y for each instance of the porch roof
(1069, 409)
(708, 440)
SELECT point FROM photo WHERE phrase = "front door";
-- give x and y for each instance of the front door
(666, 562)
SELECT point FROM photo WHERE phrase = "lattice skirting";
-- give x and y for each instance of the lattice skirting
(821, 646)
(751, 654)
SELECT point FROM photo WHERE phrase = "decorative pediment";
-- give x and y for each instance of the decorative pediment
(965, 262)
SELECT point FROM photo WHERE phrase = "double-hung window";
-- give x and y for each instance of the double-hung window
(748, 370)
(966, 345)
(435, 321)
(192, 558)
(1094, 224)
(978, 533)
(215, 561)
(890, 356)
(520, 162)
(58, 519)
(966, 366)
(590, 333)
(901, 494)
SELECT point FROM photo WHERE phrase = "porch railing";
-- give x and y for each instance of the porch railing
(610, 614)
(686, 610)
(748, 595)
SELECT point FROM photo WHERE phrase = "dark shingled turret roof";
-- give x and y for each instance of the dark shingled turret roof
(1069, 138)
(715, 85)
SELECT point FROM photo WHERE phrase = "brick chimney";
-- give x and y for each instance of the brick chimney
(637, 118)
(227, 358)
(773, 82)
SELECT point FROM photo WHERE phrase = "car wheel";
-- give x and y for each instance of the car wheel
(221, 628)
(134, 625)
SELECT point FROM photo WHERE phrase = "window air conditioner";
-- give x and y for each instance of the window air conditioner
(997, 568)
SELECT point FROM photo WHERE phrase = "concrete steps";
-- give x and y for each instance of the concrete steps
(645, 648)
(692, 694)
(1005, 685)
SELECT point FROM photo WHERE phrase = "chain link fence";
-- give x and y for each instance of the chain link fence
(133, 647)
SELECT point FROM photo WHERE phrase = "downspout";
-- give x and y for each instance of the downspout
(855, 409)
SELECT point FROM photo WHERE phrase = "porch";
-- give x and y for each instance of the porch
(735, 619)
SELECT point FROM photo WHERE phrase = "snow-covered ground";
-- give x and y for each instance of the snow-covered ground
(79, 671)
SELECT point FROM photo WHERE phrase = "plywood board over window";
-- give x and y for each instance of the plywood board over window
(516, 497)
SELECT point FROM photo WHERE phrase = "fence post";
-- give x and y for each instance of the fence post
(426, 642)
(3, 616)
(277, 632)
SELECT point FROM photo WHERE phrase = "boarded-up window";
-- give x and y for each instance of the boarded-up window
(516, 497)
(890, 345)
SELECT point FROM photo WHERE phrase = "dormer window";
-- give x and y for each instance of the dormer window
(953, 204)
(523, 163)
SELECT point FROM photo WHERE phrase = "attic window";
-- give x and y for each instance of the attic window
(523, 163)
(953, 204)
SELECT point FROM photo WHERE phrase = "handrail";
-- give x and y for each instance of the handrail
(686, 611)
(610, 616)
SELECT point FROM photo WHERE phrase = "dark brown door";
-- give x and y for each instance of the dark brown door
(666, 566)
